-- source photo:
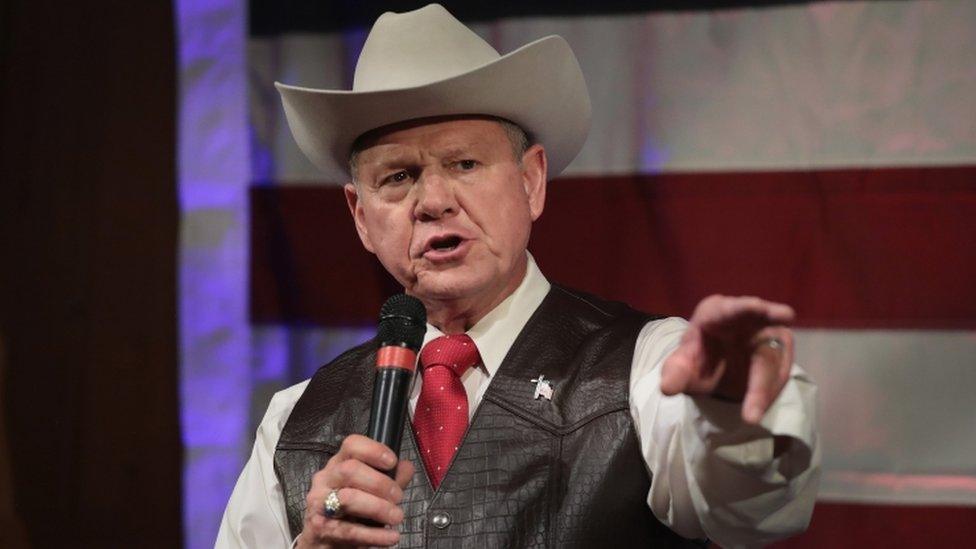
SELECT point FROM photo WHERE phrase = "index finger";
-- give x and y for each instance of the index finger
(364, 449)
(718, 309)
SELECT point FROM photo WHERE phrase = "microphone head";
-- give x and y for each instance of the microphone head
(403, 322)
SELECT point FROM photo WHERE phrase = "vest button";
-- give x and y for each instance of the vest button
(441, 520)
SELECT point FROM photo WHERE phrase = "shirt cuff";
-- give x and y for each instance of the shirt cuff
(789, 425)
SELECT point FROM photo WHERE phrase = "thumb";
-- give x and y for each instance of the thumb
(682, 364)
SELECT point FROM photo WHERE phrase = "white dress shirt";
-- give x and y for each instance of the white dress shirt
(712, 475)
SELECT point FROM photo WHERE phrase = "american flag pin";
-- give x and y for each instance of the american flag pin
(543, 388)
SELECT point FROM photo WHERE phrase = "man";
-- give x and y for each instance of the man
(541, 416)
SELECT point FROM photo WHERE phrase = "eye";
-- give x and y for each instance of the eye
(398, 177)
(467, 164)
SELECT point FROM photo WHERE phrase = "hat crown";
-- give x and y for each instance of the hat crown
(418, 47)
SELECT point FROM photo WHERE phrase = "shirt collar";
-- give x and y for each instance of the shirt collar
(496, 332)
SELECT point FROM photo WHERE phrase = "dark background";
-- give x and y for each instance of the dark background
(271, 17)
(89, 446)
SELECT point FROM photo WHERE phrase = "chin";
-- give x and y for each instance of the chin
(446, 286)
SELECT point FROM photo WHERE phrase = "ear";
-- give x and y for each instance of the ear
(358, 214)
(534, 175)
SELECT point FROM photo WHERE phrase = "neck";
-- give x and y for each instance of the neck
(456, 316)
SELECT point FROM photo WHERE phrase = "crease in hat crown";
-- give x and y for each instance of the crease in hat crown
(416, 48)
(426, 63)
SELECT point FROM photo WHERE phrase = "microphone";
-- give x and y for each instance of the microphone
(403, 323)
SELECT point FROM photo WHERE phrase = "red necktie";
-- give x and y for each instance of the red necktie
(441, 416)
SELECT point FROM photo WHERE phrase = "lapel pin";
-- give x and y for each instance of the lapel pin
(543, 388)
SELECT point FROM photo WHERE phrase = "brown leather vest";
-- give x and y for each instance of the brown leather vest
(529, 473)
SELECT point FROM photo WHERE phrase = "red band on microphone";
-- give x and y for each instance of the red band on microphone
(396, 357)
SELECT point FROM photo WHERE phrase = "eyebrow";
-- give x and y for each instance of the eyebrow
(398, 160)
(454, 152)
(394, 161)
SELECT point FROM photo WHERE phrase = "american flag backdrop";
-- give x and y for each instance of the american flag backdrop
(821, 154)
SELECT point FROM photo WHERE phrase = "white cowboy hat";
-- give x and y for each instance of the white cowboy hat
(426, 63)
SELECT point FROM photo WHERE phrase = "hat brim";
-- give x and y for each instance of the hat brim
(539, 86)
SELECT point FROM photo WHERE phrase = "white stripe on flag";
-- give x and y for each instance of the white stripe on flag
(896, 413)
(798, 87)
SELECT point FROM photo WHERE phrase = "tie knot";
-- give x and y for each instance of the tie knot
(456, 352)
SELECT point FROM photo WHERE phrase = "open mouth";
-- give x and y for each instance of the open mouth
(445, 244)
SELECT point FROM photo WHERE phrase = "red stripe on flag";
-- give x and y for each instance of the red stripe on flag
(847, 248)
(857, 526)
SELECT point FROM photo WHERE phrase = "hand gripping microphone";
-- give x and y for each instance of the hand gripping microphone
(403, 322)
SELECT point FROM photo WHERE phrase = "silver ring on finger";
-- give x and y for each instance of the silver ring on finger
(773, 343)
(332, 507)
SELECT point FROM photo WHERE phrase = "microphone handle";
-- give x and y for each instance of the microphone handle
(391, 391)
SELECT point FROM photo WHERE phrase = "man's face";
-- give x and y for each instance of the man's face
(447, 208)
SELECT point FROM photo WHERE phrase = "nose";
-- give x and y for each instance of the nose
(435, 197)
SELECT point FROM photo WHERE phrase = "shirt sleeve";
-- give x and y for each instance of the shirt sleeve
(714, 475)
(255, 514)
